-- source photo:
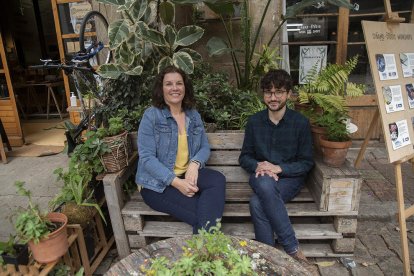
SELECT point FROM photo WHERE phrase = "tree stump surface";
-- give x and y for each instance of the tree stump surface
(268, 260)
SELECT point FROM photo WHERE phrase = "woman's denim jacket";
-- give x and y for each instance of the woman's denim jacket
(158, 142)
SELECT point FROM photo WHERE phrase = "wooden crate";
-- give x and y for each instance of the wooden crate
(335, 189)
(103, 243)
(71, 259)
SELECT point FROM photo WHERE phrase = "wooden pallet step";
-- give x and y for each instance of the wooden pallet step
(173, 229)
(134, 208)
(242, 192)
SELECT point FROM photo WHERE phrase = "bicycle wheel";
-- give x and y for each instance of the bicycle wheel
(93, 38)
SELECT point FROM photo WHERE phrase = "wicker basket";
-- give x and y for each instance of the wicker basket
(121, 150)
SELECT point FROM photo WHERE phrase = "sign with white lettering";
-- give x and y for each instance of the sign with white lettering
(390, 49)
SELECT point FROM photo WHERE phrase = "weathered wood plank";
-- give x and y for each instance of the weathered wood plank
(241, 210)
(226, 140)
(233, 174)
(223, 157)
(246, 230)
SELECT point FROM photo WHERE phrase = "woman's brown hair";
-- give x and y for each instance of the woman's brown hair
(158, 94)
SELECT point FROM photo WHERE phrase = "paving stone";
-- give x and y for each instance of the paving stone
(366, 271)
(371, 227)
(336, 269)
(361, 253)
(384, 190)
(376, 245)
(391, 266)
(371, 174)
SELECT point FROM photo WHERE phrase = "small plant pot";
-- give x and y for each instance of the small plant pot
(317, 132)
(55, 245)
(21, 257)
(334, 153)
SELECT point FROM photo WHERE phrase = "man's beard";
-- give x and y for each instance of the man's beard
(278, 108)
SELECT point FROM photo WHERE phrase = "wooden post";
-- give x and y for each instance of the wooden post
(366, 140)
(402, 216)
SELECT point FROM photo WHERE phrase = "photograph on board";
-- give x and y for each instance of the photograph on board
(409, 87)
(407, 64)
(399, 134)
(393, 98)
(386, 66)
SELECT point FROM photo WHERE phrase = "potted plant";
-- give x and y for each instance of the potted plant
(11, 252)
(336, 141)
(325, 92)
(46, 234)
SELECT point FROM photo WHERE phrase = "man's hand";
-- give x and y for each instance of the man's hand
(268, 168)
(184, 186)
(192, 173)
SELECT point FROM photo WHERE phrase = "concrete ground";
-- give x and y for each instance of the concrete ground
(377, 252)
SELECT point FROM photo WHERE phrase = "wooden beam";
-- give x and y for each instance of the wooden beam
(342, 37)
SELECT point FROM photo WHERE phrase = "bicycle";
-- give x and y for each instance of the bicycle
(91, 53)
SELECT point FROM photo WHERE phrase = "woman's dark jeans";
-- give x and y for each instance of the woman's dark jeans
(268, 210)
(200, 211)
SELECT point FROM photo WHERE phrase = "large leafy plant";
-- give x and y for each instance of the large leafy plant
(244, 67)
(137, 39)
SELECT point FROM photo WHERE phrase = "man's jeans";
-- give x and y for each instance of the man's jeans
(268, 210)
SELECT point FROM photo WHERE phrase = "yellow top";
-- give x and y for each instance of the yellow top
(181, 162)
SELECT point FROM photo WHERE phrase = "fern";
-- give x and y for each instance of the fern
(328, 87)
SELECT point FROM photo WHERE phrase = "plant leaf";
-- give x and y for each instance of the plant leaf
(188, 35)
(183, 61)
(118, 32)
(138, 9)
(151, 35)
(224, 8)
(110, 71)
(194, 54)
(167, 12)
(216, 46)
(112, 2)
(164, 62)
(136, 71)
(170, 35)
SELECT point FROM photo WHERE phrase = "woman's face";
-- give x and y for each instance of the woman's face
(173, 89)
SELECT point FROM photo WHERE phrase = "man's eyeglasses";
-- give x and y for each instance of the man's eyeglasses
(277, 93)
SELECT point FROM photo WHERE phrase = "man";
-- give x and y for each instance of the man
(277, 152)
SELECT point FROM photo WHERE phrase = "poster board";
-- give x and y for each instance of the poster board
(390, 48)
(311, 56)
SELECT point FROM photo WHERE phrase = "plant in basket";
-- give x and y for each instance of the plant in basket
(11, 252)
(76, 197)
(120, 149)
(46, 234)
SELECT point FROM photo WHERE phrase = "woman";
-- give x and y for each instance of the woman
(173, 150)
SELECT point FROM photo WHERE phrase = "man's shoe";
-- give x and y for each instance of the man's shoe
(300, 257)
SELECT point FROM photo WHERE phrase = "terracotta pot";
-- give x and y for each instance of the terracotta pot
(317, 132)
(334, 153)
(55, 245)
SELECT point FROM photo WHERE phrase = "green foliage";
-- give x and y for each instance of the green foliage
(137, 39)
(208, 253)
(327, 89)
(127, 97)
(221, 103)
(31, 224)
(7, 248)
(216, 46)
(335, 125)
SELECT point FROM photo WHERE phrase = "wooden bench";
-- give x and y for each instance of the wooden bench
(324, 214)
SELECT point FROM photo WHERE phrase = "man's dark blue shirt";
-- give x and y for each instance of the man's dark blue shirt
(287, 144)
